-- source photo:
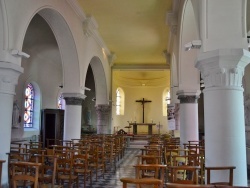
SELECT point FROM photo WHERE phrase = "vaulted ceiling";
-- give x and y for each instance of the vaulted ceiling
(136, 32)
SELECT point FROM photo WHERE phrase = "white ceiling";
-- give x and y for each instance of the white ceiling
(135, 30)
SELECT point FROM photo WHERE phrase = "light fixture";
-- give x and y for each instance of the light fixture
(19, 53)
(202, 83)
(195, 44)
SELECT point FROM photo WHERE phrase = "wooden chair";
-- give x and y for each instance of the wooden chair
(97, 158)
(65, 171)
(28, 176)
(47, 172)
(153, 171)
(184, 174)
(155, 183)
(148, 159)
(222, 168)
(177, 185)
(81, 168)
(1, 167)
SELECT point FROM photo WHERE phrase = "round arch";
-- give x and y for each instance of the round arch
(100, 81)
(189, 31)
(67, 48)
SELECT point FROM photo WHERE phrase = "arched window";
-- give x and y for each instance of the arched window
(119, 101)
(165, 101)
(29, 106)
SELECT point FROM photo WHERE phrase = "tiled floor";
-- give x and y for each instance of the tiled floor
(124, 169)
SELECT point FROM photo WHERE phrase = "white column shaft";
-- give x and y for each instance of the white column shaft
(6, 107)
(225, 144)
(189, 122)
(72, 122)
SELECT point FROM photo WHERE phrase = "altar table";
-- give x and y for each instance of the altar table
(150, 130)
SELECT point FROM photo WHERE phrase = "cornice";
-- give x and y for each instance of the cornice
(141, 67)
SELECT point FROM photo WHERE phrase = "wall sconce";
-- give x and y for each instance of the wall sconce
(195, 44)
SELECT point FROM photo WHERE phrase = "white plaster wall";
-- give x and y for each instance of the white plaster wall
(44, 67)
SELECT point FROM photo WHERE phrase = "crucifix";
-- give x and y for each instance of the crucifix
(142, 102)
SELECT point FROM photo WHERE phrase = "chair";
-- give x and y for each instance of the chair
(65, 171)
(177, 185)
(47, 172)
(1, 167)
(184, 174)
(222, 168)
(80, 162)
(24, 174)
(153, 171)
(148, 159)
(97, 158)
(141, 182)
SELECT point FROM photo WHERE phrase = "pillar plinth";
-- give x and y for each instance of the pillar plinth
(103, 113)
(222, 71)
(9, 74)
(72, 115)
(189, 127)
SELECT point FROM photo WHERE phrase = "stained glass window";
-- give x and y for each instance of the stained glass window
(29, 106)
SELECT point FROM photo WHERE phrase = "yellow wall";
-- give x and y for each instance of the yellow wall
(133, 110)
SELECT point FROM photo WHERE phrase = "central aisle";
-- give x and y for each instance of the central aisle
(124, 169)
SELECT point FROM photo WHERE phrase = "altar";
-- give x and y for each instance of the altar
(135, 124)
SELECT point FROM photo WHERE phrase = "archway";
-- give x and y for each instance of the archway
(100, 81)
(103, 108)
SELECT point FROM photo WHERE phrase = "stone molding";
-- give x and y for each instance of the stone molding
(188, 98)
(9, 74)
(223, 67)
(74, 98)
(102, 109)
(73, 101)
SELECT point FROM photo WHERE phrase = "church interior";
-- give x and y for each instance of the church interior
(114, 93)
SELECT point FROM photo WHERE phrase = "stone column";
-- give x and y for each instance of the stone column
(72, 115)
(222, 71)
(9, 74)
(189, 126)
(103, 113)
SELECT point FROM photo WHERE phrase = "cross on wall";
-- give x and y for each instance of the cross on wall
(143, 101)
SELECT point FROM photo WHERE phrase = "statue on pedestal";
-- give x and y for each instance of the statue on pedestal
(16, 118)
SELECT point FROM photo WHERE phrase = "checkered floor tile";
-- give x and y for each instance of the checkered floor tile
(124, 168)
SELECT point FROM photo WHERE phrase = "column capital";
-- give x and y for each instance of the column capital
(223, 67)
(73, 98)
(103, 108)
(9, 74)
(188, 96)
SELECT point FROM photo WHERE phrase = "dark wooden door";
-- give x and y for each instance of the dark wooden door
(52, 125)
